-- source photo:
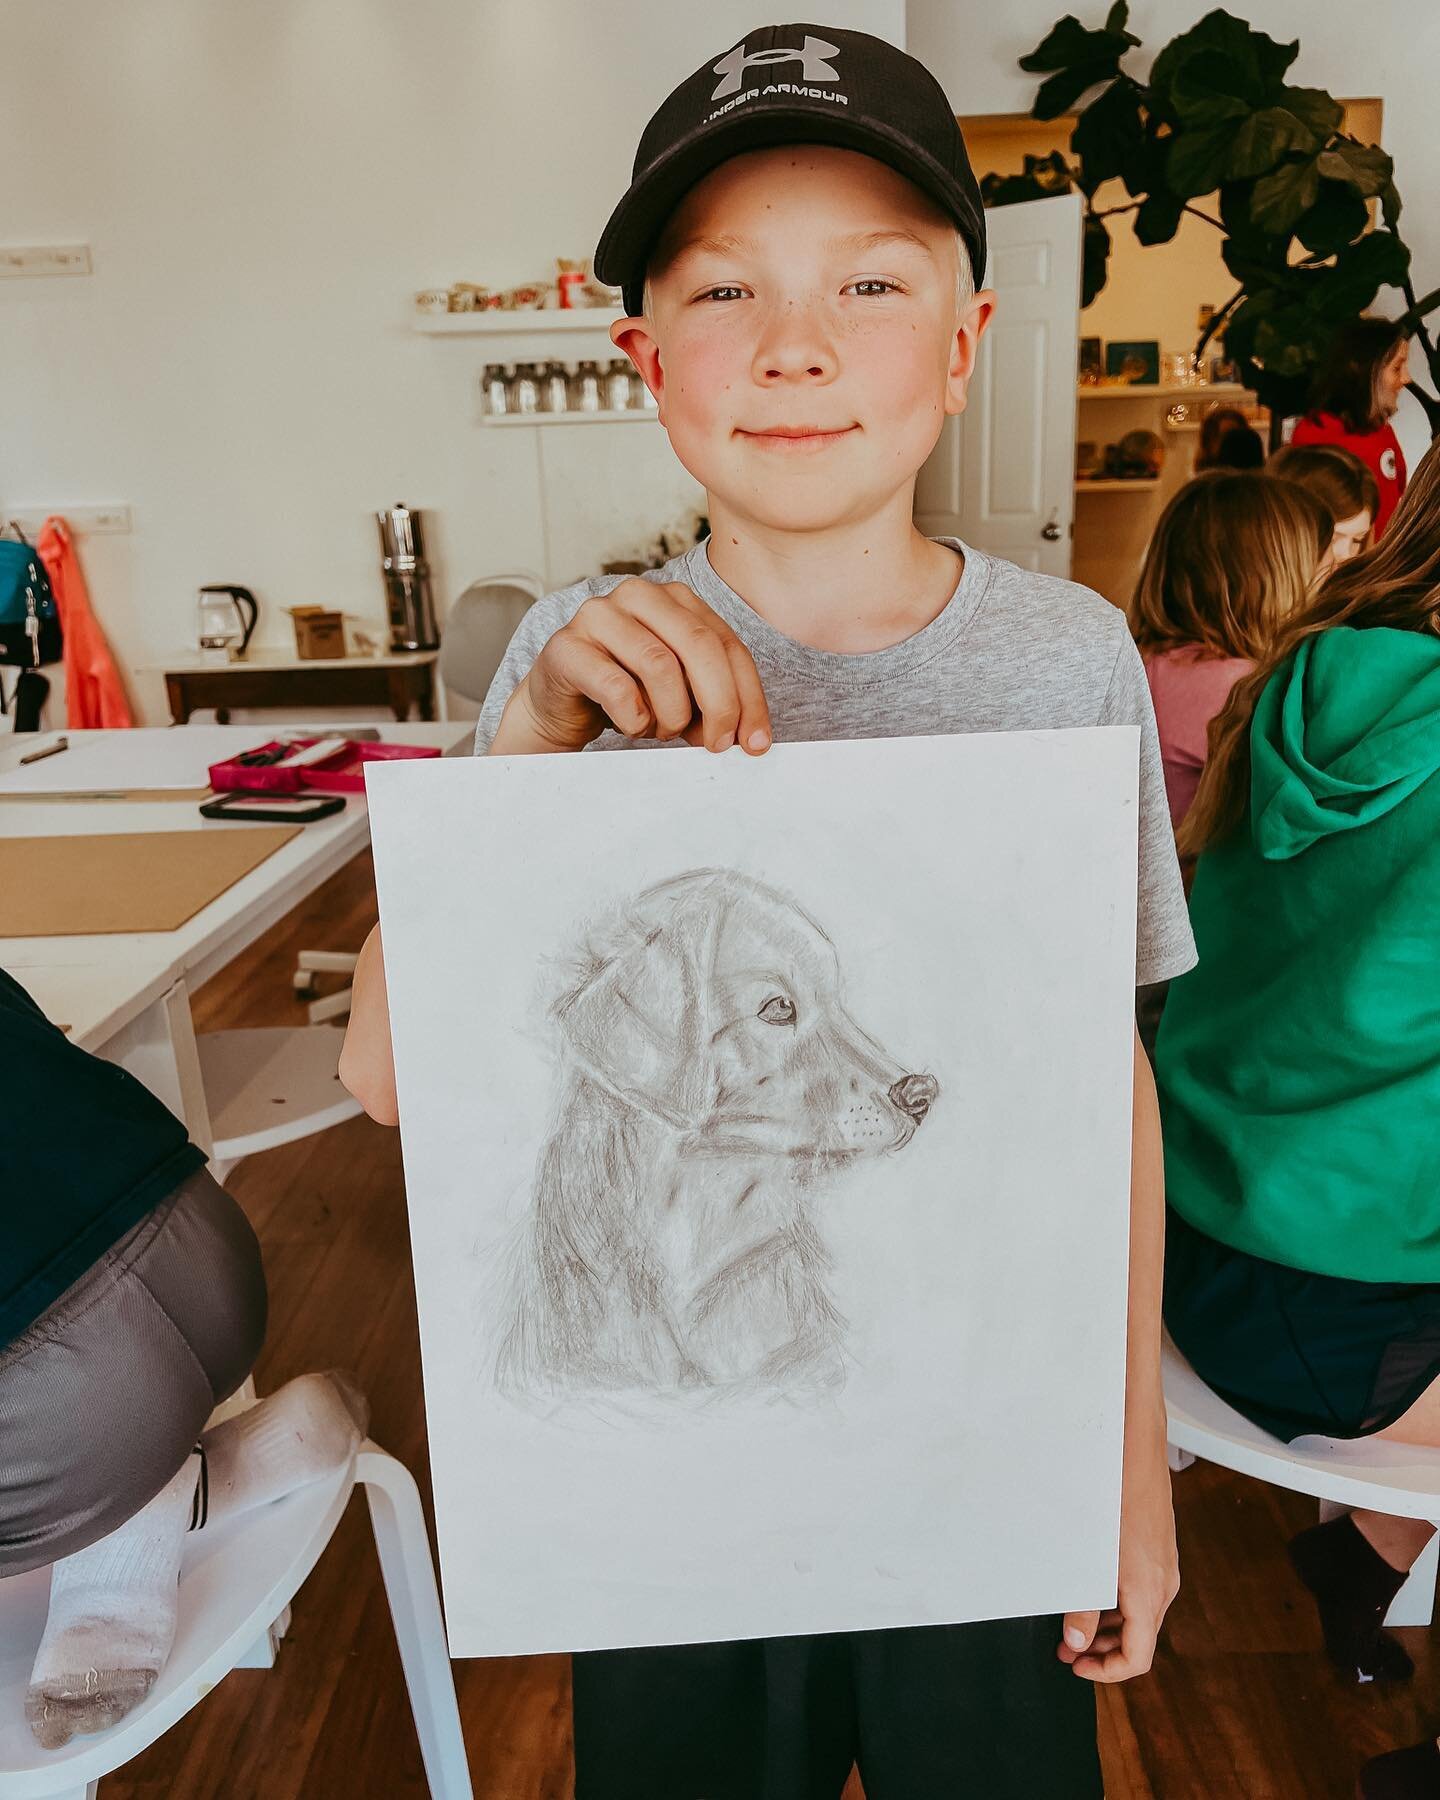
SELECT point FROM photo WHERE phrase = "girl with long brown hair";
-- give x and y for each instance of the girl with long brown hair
(1232, 557)
(1299, 1065)
(1355, 395)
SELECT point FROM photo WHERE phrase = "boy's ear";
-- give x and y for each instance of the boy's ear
(965, 348)
(635, 336)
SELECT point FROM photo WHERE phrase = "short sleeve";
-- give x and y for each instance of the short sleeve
(533, 632)
(1164, 943)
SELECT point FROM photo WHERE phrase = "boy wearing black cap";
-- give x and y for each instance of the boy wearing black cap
(797, 252)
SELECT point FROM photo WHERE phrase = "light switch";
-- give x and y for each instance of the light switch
(21, 260)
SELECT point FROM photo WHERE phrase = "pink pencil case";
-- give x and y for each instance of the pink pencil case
(342, 773)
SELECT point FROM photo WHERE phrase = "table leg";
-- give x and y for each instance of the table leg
(176, 697)
(398, 682)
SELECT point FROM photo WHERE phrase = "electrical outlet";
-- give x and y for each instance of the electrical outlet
(90, 521)
(44, 259)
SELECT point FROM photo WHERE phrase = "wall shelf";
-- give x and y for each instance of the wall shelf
(518, 322)
(632, 415)
(1116, 487)
(1142, 390)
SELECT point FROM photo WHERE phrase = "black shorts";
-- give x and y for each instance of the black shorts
(946, 1712)
(1299, 1354)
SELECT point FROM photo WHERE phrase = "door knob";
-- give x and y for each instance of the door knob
(1051, 532)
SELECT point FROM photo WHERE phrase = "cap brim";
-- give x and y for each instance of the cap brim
(638, 220)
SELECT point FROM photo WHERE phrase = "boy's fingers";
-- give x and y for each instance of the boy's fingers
(700, 640)
(753, 733)
(1078, 1630)
(594, 673)
(650, 660)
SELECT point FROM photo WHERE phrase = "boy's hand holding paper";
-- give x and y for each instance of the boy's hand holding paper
(651, 660)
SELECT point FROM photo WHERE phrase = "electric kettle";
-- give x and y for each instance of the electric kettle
(226, 620)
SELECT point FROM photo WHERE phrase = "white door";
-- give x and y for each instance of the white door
(1002, 476)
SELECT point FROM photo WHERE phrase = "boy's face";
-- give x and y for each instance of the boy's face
(810, 287)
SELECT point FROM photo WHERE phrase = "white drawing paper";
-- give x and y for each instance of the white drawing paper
(766, 1128)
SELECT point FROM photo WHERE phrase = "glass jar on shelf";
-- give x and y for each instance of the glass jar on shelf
(525, 388)
(555, 388)
(495, 390)
(585, 387)
(619, 384)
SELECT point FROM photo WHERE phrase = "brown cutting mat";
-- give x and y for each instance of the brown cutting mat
(124, 880)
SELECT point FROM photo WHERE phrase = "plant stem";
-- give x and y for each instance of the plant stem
(1111, 211)
(1219, 319)
(1202, 215)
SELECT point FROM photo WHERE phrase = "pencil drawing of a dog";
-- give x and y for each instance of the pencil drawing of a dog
(711, 1083)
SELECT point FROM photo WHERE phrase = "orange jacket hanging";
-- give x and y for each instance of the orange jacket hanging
(94, 693)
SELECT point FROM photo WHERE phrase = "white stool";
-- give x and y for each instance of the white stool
(1373, 1472)
(235, 1581)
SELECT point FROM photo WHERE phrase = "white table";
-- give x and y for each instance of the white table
(126, 995)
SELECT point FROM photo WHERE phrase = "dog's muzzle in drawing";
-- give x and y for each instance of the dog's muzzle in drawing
(712, 1080)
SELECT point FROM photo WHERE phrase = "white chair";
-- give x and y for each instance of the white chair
(1377, 1473)
(234, 1582)
(478, 627)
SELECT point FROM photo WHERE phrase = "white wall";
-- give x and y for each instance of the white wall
(1388, 49)
(264, 185)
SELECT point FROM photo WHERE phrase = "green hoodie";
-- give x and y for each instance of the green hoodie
(1299, 1064)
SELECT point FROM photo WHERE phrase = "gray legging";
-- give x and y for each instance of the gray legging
(103, 1396)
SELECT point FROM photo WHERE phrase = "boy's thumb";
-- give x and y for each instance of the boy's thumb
(1080, 1629)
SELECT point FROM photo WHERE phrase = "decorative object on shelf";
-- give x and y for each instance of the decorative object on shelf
(433, 300)
(1139, 456)
(620, 378)
(1087, 459)
(1215, 115)
(1092, 360)
(569, 282)
(1134, 362)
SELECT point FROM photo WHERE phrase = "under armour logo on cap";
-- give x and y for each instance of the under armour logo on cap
(812, 55)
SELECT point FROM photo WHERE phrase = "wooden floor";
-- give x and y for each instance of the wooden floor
(1242, 1702)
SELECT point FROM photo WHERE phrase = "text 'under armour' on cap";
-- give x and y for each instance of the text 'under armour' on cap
(792, 84)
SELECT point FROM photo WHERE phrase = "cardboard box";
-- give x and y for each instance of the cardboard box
(318, 632)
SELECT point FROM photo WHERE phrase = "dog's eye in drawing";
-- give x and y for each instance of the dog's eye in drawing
(777, 1011)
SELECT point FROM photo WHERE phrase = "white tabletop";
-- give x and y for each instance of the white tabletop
(98, 983)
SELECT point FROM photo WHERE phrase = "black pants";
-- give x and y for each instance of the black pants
(986, 1712)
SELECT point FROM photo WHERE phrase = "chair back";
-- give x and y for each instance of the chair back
(478, 627)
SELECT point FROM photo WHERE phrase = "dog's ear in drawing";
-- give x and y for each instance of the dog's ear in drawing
(636, 1017)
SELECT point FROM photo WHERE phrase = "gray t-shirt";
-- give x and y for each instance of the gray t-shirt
(1010, 651)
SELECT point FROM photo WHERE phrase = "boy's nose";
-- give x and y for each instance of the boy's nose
(915, 1095)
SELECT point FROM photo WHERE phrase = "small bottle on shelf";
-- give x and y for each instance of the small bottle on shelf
(555, 389)
(618, 385)
(494, 390)
(585, 385)
(525, 389)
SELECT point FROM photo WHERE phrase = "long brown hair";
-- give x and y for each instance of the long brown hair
(1397, 583)
(1337, 478)
(1347, 383)
(1232, 556)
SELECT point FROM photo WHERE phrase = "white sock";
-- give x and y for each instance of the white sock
(308, 1428)
(112, 1606)
(112, 1620)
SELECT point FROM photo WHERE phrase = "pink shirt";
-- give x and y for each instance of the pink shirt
(1187, 687)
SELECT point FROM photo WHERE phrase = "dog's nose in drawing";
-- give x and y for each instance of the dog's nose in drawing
(915, 1095)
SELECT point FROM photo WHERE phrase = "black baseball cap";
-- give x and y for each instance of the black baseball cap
(792, 84)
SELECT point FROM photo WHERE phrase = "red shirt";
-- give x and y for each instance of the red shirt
(1379, 450)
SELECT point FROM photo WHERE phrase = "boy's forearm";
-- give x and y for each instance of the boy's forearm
(1144, 1396)
(367, 1062)
(516, 734)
